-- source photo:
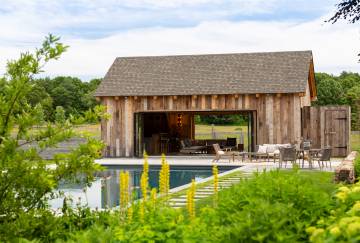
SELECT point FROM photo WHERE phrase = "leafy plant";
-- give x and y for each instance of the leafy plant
(26, 180)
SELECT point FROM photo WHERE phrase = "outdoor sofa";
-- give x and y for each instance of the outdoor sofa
(268, 151)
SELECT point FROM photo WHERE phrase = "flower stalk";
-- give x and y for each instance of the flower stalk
(191, 200)
(164, 178)
(216, 184)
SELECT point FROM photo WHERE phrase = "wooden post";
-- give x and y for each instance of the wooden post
(269, 103)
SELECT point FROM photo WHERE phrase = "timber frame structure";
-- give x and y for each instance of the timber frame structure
(272, 87)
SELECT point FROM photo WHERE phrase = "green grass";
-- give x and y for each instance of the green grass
(355, 142)
(204, 132)
(321, 179)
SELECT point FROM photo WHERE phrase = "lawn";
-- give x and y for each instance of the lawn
(355, 141)
(205, 132)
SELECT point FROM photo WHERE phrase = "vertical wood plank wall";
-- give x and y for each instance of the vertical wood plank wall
(320, 122)
(278, 117)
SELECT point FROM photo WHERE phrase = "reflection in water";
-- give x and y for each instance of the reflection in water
(104, 192)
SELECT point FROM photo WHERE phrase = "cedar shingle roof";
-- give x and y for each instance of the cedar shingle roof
(244, 73)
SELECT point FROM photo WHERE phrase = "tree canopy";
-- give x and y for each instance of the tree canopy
(348, 10)
(26, 181)
(74, 95)
(340, 90)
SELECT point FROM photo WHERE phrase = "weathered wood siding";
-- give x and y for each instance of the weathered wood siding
(278, 116)
(327, 126)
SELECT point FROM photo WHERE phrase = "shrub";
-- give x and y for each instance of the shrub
(357, 166)
(343, 223)
(272, 207)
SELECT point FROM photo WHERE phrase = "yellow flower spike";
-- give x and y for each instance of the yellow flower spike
(164, 178)
(190, 200)
(130, 214)
(216, 182)
(144, 184)
(153, 197)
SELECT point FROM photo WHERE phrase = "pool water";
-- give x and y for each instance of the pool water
(104, 191)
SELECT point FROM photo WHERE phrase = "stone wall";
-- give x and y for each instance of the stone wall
(345, 172)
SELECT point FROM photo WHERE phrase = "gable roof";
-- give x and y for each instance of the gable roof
(244, 73)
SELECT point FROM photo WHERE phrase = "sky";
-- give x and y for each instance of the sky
(99, 31)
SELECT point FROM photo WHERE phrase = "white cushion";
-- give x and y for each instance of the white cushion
(262, 149)
(221, 152)
(271, 148)
(277, 151)
(285, 145)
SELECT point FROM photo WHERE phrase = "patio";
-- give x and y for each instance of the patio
(205, 160)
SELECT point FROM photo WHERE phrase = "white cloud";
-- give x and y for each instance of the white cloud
(23, 25)
(334, 46)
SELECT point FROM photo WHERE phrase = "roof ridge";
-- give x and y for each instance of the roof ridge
(215, 54)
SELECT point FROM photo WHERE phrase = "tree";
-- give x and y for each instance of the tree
(75, 96)
(26, 182)
(330, 92)
(348, 10)
(60, 115)
(353, 99)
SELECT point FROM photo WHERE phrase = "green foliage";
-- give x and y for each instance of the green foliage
(75, 96)
(221, 119)
(357, 166)
(272, 207)
(343, 223)
(330, 91)
(340, 90)
(26, 180)
(60, 115)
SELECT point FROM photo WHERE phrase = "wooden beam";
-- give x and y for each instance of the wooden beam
(236, 96)
(278, 95)
(135, 97)
(155, 97)
(257, 95)
(116, 97)
(98, 99)
(175, 97)
(301, 94)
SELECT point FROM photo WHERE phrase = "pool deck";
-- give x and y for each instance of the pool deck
(199, 161)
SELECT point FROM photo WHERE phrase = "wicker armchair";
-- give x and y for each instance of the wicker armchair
(323, 156)
(287, 154)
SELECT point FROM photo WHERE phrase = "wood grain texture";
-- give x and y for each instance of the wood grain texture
(278, 118)
(327, 126)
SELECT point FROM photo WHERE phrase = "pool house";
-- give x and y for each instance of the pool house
(153, 102)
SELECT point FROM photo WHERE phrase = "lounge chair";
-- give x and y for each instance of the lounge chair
(221, 154)
(188, 148)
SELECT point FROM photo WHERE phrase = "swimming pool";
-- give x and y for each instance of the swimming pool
(104, 192)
